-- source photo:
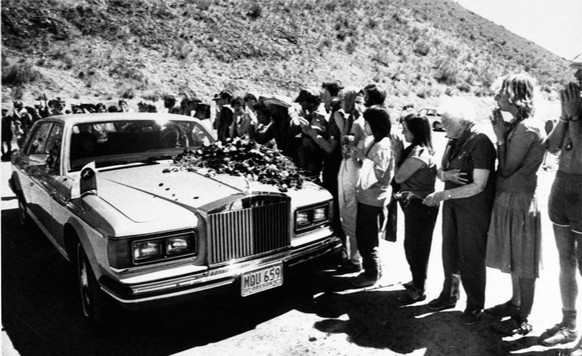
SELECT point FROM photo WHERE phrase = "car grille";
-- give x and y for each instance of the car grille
(249, 231)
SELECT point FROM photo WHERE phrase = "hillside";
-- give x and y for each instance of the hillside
(106, 49)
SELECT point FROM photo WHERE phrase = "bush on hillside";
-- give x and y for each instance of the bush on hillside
(19, 74)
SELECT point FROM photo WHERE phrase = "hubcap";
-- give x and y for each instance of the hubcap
(84, 284)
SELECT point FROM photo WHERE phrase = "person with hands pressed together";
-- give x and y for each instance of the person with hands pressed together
(565, 207)
(350, 121)
(467, 164)
(373, 191)
(514, 238)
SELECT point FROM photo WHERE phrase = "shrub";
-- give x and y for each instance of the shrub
(464, 88)
(421, 48)
(255, 11)
(351, 46)
(19, 74)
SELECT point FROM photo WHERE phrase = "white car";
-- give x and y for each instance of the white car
(433, 117)
(141, 232)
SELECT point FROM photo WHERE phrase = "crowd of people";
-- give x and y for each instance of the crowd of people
(343, 138)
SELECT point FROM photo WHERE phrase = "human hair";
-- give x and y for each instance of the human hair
(236, 101)
(332, 87)
(419, 127)
(376, 95)
(458, 109)
(378, 118)
(520, 91)
(348, 97)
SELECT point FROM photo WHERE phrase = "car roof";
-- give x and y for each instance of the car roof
(73, 119)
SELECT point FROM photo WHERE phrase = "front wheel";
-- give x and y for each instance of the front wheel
(93, 302)
(437, 126)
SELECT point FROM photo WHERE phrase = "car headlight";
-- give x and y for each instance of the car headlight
(302, 218)
(319, 214)
(131, 251)
(177, 245)
(311, 217)
(144, 250)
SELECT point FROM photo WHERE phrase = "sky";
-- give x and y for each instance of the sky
(553, 24)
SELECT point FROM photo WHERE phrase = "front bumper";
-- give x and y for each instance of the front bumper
(217, 280)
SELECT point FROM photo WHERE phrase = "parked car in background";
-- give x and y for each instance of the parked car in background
(433, 117)
(98, 187)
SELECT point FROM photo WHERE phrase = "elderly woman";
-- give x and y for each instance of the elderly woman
(467, 164)
(514, 240)
(373, 191)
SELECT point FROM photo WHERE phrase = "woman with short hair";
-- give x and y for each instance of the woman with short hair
(467, 164)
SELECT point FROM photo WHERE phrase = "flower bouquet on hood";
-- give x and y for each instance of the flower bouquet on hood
(242, 157)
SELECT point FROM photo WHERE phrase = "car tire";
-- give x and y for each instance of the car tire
(94, 306)
(23, 217)
(437, 126)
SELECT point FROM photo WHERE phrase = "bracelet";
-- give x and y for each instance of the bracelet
(500, 143)
(448, 194)
(442, 177)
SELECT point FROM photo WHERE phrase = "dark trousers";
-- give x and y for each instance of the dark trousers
(368, 224)
(419, 222)
(465, 226)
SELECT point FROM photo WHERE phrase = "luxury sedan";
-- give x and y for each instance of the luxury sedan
(141, 230)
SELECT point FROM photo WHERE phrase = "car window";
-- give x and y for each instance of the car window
(53, 145)
(38, 141)
(114, 142)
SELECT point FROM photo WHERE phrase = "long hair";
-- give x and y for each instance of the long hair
(520, 90)
(379, 120)
(419, 127)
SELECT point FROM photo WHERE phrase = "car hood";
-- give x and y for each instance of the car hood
(147, 193)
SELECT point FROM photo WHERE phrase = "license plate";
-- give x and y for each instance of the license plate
(261, 279)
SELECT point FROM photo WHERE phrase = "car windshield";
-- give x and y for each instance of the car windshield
(119, 142)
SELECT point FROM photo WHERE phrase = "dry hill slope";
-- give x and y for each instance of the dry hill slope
(104, 49)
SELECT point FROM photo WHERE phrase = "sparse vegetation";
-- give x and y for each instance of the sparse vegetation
(420, 48)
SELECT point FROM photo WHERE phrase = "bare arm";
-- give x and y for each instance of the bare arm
(408, 168)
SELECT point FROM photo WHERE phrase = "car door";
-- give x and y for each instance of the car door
(29, 166)
(54, 192)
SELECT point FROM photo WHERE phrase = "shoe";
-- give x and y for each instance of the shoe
(470, 317)
(502, 310)
(513, 326)
(362, 281)
(559, 334)
(349, 267)
(411, 298)
(442, 303)
(408, 285)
